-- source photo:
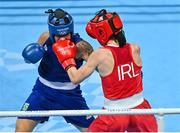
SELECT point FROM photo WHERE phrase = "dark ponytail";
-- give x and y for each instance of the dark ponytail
(120, 37)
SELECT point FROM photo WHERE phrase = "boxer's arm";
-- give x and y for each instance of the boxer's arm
(78, 75)
(43, 37)
(136, 54)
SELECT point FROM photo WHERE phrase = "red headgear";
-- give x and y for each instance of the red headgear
(103, 25)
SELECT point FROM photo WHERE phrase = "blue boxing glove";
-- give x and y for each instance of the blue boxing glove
(33, 52)
(76, 38)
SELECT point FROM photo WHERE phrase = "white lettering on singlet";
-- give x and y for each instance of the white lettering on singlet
(130, 71)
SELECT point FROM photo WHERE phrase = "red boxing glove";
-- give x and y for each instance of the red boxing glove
(65, 51)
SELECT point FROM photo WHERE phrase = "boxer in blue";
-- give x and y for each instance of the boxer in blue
(53, 89)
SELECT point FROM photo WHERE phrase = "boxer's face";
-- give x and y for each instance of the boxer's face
(68, 36)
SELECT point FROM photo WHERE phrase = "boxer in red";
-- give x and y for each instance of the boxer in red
(119, 65)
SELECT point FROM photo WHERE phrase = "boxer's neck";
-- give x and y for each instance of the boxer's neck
(112, 43)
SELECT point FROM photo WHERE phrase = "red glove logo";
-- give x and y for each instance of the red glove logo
(65, 51)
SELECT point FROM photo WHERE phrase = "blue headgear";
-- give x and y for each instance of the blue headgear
(60, 23)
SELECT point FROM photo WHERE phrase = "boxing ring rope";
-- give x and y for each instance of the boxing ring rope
(160, 112)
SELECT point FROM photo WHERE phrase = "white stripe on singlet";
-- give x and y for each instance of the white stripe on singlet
(58, 85)
(125, 103)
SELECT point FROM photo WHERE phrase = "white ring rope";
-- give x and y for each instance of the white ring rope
(160, 111)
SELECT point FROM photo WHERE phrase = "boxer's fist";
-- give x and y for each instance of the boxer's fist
(65, 51)
(83, 50)
(33, 52)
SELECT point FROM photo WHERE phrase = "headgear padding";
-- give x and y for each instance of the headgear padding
(60, 23)
(104, 25)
